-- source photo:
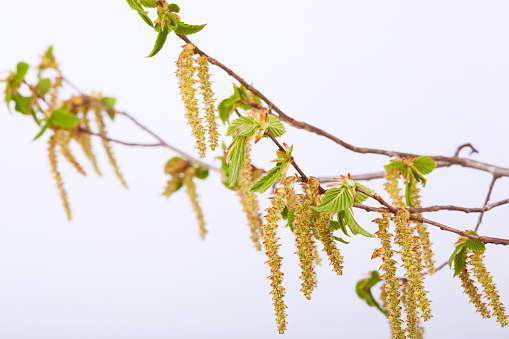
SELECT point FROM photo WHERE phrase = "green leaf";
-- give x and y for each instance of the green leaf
(265, 182)
(243, 126)
(201, 172)
(339, 225)
(23, 104)
(49, 52)
(173, 8)
(43, 86)
(276, 127)
(291, 218)
(110, 102)
(161, 39)
(186, 29)
(137, 7)
(353, 225)
(43, 129)
(474, 245)
(225, 109)
(394, 164)
(235, 159)
(408, 196)
(459, 261)
(334, 200)
(63, 118)
(363, 290)
(361, 197)
(21, 71)
(425, 165)
(340, 240)
(148, 3)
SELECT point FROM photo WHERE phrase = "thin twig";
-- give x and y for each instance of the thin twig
(464, 162)
(83, 130)
(460, 147)
(436, 208)
(486, 202)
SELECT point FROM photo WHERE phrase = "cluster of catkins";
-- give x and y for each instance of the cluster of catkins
(415, 252)
(61, 138)
(306, 227)
(186, 80)
(474, 264)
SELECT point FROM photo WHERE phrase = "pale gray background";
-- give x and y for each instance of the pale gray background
(423, 78)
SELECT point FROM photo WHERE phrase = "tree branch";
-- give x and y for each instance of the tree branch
(464, 162)
(486, 202)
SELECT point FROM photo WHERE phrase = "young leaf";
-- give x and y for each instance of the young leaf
(21, 71)
(173, 8)
(265, 182)
(459, 261)
(334, 200)
(235, 159)
(425, 165)
(361, 197)
(408, 196)
(148, 3)
(474, 245)
(202, 172)
(340, 240)
(276, 127)
(243, 126)
(23, 104)
(43, 129)
(225, 109)
(353, 225)
(137, 7)
(363, 290)
(64, 119)
(291, 218)
(161, 39)
(394, 164)
(43, 86)
(186, 29)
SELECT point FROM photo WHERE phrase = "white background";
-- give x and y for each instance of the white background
(421, 78)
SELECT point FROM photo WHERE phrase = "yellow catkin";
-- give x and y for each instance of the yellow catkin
(391, 186)
(271, 245)
(52, 153)
(490, 291)
(248, 199)
(406, 289)
(107, 147)
(469, 288)
(411, 256)
(63, 139)
(193, 196)
(391, 293)
(208, 100)
(304, 239)
(185, 73)
(172, 185)
(329, 246)
(84, 140)
(423, 234)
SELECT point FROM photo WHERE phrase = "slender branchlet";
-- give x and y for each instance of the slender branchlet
(52, 152)
(185, 73)
(391, 186)
(411, 256)
(193, 196)
(270, 243)
(63, 138)
(391, 287)
(329, 245)
(469, 288)
(84, 140)
(490, 291)
(304, 239)
(423, 233)
(109, 152)
(248, 199)
(208, 100)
